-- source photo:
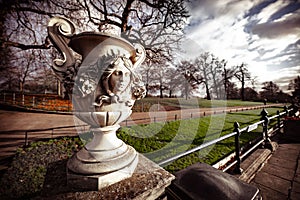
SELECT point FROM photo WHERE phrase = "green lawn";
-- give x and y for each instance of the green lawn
(149, 103)
(159, 141)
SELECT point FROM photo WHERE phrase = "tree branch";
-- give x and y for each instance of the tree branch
(46, 45)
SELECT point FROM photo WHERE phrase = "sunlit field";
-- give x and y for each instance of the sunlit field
(159, 141)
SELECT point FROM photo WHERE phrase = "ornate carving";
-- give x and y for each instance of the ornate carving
(118, 83)
(60, 32)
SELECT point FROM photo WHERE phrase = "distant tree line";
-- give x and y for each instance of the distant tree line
(212, 76)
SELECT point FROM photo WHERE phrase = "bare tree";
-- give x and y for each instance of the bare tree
(250, 94)
(26, 68)
(270, 90)
(165, 76)
(187, 78)
(147, 75)
(175, 82)
(232, 91)
(205, 70)
(216, 71)
(295, 85)
(202, 73)
(47, 80)
(160, 78)
(157, 25)
(243, 75)
(9, 80)
(228, 74)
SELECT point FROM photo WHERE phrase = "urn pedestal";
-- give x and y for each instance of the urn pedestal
(98, 72)
(102, 162)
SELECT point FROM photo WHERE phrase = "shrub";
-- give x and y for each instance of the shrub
(26, 175)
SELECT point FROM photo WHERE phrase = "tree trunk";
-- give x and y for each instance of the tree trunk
(226, 89)
(161, 95)
(186, 89)
(243, 89)
(207, 92)
(21, 85)
(147, 89)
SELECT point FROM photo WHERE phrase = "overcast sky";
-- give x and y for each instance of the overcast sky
(265, 34)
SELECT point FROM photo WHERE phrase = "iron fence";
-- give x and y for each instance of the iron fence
(37, 134)
(237, 132)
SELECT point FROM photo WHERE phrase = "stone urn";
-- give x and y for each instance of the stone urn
(98, 72)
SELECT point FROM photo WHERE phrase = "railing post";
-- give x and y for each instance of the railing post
(26, 138)
(33, 101)
(23, 100)
(267, 142)
(278, 121)
(238, 168)
(14, 98)
(286, 111)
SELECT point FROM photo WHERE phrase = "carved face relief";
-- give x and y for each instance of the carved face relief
(120, 78)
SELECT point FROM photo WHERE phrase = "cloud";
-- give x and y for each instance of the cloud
(264, 34)
(283, 77)
(288, 26)
(273, 7)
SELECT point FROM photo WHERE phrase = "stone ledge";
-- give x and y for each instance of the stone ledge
(148, 182)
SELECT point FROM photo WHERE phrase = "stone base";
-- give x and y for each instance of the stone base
(100, 162)
(148, 181)
(96, 182)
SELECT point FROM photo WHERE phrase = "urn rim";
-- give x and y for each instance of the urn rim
(85, 42)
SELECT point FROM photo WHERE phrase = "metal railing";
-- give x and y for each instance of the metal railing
(166, 116)
(237, 132)
(46, 133)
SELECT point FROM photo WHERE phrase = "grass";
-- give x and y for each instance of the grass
(150, 103)
(159, 141)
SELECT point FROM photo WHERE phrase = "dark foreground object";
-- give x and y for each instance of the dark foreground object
(202, 181)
